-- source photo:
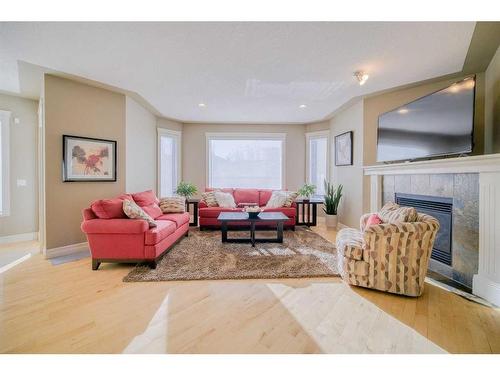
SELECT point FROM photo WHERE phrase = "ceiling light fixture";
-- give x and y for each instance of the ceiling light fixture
(202, 105)
(361, 76)
(403, 111)
(302, 106)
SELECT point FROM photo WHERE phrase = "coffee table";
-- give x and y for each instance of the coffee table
(242, 217)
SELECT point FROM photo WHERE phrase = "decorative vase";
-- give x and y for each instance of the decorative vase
(331, 221)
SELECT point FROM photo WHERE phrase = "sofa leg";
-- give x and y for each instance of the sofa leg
(187, 234)
(152, 264)
(95, 264)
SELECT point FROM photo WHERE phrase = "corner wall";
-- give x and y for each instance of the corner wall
(77, 109)
(23, 217)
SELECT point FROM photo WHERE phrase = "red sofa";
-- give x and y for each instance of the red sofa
(114, 238)
(208, 215)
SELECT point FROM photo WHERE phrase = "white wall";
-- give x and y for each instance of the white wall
(351, 177)
(23, 216)
(141, 148)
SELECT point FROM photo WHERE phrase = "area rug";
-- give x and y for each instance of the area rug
(202, 256)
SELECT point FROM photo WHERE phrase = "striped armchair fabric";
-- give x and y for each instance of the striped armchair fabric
(388, 257)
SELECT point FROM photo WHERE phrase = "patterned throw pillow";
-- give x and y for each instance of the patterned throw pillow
(278, 199)
(209, 198)
(172, 205)
(392, 213)
(290, 198)
(225, 199)
(133, 211)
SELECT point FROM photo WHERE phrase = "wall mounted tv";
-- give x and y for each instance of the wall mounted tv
(435, 125)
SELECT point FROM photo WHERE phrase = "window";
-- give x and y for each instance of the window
(317, 160)
(169, 161)
(4, 163)
(250, 160)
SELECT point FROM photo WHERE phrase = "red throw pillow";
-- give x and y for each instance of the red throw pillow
(153, 210)
(373, 219)
(145, 198)
(108, 208)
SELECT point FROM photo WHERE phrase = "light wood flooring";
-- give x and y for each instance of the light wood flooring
(71, 309)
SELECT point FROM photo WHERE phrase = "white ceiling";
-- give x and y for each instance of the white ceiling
(244, 72)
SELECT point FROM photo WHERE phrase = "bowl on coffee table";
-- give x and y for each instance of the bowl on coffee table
(252, 211)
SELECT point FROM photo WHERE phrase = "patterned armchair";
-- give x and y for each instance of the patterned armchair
(388, 257)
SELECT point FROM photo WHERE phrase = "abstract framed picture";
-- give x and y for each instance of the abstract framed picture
(343, 149)
(88, 159)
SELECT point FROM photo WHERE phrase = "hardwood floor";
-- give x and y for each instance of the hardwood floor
(71, 309)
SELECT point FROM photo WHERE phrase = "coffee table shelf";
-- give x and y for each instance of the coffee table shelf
(242, 217)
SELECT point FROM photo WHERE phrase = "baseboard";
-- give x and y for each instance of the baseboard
(14, 263)
(65, 250)
(487, 289)
(33, 236)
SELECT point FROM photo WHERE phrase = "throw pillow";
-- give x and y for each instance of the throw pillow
(133, 211)
(108, 208)
(209, 198)
(278, 199)
(290, 198)
(152, 210)
(373, 219)
(145, 198)
(392, 213)
(173, 205)
(225, 199)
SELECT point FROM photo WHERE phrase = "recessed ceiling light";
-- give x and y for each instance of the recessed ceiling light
(202, 105)
(361, 76)
(302, 106)
(403, 111)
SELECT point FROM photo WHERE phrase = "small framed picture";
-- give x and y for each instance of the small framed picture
(343, 149)
(88, 159)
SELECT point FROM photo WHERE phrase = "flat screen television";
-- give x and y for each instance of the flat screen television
(435, 125)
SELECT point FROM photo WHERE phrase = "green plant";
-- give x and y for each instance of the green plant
(332, 198)
(186, 189)
(307, 190)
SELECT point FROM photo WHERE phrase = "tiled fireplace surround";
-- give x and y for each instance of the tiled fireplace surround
(474, 184)
(464, 189)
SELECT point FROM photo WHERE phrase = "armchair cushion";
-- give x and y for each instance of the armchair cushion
(393, 213)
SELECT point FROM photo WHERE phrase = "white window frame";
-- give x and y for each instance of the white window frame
(244, 136)
(177, 135)
(315, 135)
(5, 160)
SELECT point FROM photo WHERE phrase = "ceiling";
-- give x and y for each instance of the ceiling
(243, 72)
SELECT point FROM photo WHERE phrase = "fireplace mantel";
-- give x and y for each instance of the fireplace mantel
(487, 282)
(466, 164)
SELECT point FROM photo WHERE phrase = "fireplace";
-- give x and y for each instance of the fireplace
(440, 208)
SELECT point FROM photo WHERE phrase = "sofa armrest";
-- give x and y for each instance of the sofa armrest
(202, 204)
(114, 226)
(350, 243)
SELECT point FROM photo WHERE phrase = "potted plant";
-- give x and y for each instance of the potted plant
(332, 200)
(186, 189)
(306, 191)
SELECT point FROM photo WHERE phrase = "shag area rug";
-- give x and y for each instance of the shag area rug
(202, 256)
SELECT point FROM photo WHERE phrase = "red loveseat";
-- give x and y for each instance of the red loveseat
(208, 215)
(114, 238)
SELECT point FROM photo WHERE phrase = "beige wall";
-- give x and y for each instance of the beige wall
(141, 148)
(492, 105)
(23, 216)
(77, 109)
(378, 104)
(166, 123)
(351, 177)
(194, 150)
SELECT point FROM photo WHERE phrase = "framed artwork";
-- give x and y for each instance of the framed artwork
(343, 149)
(88, 159)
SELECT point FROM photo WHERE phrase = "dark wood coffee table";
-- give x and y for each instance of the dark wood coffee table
(242, 217)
